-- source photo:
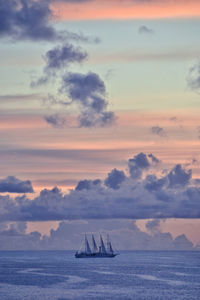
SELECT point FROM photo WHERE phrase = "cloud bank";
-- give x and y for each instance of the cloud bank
(138, 194)
(125, 234)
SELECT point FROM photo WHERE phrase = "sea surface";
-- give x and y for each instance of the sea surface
(139, 275)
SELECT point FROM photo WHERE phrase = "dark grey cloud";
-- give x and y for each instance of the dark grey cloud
(153, 158)
(172, 195)
(139, 163)
(158, 131)
(60, 57)
(193, 78)
(115, 178)
(56, 120)
(145, 30)
(12, 184)
(26, 19)
(181, 242)
(179, 176)
(32, 20)
(88, 93)
(87, 184)
(152, 183)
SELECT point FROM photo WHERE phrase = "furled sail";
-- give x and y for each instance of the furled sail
(109, 246)
(87, 246)
(110, 249)
(103, 249)
(95, 249)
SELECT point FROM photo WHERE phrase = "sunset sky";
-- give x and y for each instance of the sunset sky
(100, 99)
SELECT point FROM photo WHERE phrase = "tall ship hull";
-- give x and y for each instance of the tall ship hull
(94, 255)
(95, 252)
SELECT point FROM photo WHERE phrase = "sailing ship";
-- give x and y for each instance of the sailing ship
(101, 251)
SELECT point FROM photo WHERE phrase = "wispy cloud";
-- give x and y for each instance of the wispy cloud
(145, 30)
(134, 55)
(57, 121)
(157, 130)
(193, 78)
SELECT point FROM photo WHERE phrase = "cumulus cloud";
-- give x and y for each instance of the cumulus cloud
(139, 163)
(181, 242)
(88, 92)
(125, 234)
(58, 58)
(32, 20)
(115, 178)
(61, 56)
(172, 195)
(26, 19)
(153, 226)
(179, 176)
(152, 183)
(158, 131)
(12, 184)
(145, 30)
(14, 237)
(87, 184)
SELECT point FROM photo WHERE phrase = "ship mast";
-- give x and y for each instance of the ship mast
(87, 246)
(109, 246)
(95, 249)
(103, 249)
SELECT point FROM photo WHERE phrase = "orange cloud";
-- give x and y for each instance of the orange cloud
(127, 9)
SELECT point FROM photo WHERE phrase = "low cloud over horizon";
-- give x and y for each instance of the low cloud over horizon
(144, 191)
(125, 235)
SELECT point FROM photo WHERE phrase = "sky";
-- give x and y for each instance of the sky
(99, 123)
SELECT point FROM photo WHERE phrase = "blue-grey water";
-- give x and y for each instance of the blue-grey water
(140, 275)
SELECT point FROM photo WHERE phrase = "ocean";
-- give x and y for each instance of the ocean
(139, 275)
